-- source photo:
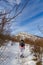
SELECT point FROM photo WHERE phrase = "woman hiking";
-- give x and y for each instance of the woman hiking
(22, 48)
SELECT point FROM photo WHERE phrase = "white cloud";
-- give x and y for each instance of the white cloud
(18, 1)
(14, 1)
(30, 27)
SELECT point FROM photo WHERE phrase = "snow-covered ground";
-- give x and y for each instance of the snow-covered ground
(10, 55)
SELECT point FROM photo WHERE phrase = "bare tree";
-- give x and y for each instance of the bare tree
(5, 19)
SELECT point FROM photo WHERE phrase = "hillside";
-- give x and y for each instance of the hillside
(28, 38)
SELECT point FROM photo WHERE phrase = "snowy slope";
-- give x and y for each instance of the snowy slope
(10, 55)
(24, 35)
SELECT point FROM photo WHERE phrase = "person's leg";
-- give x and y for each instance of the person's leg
(21, 53)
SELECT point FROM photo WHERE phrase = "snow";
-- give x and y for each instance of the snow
(10, 55)
(24, 35)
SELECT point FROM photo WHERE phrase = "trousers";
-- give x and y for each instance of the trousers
(22, 50)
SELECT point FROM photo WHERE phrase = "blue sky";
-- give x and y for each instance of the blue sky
(29, 19)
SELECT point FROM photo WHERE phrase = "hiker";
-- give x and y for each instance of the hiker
(22, 48)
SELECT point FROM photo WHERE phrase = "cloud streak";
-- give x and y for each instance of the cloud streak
(14, 1)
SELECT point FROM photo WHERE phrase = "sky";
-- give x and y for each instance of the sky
(31, 18)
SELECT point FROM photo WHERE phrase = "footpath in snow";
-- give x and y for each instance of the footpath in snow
(10, 55)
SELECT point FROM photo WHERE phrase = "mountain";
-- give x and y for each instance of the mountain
(30, 39)
(30, 36)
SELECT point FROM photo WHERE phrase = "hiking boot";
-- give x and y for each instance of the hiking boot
(21, 56)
